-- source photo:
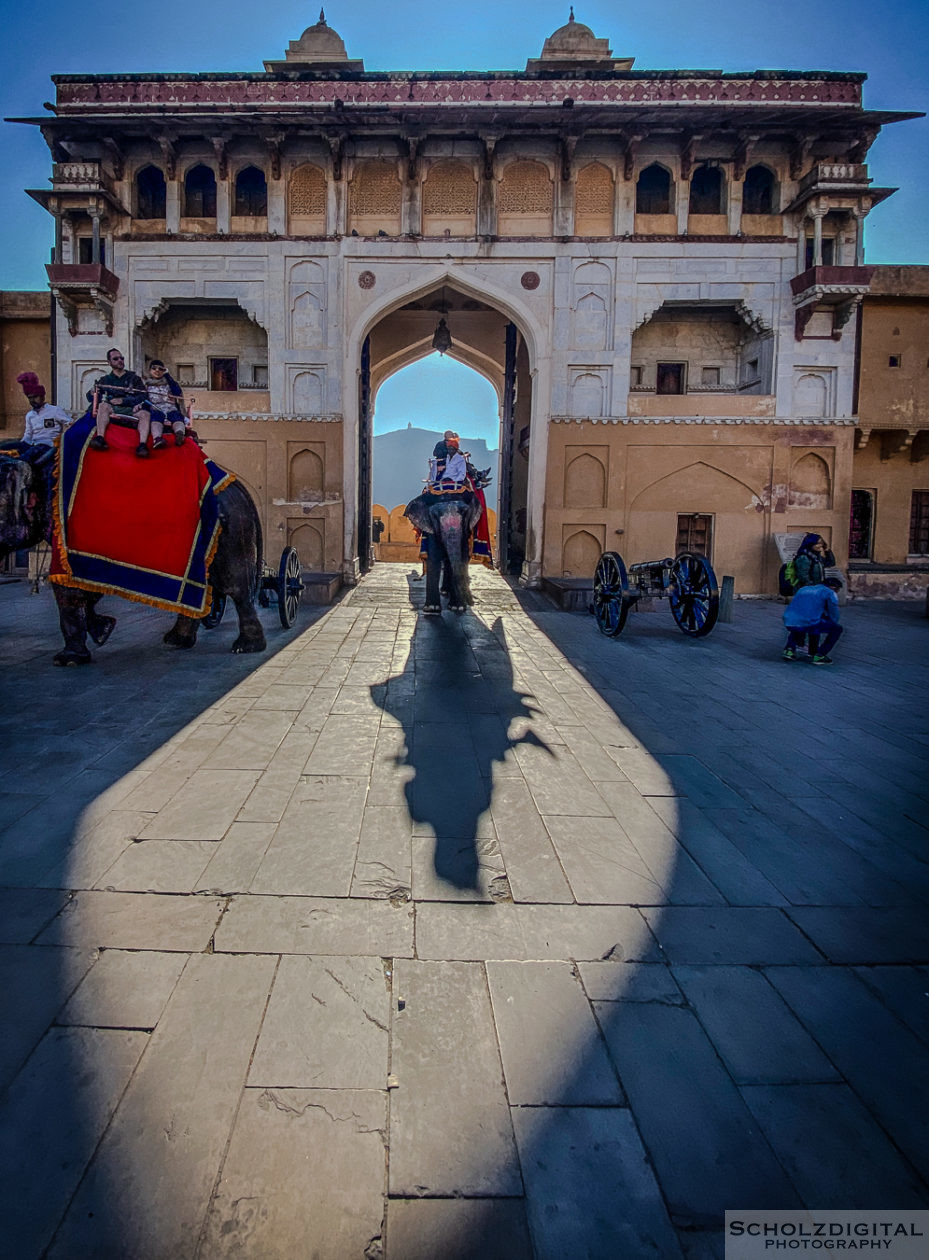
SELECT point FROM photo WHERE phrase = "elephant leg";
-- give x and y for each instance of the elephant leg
(251, 637)
(183, 634)
(99, 626)
(434, 564)
(72, 618)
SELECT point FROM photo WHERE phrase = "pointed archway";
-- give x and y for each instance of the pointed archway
(485, 338)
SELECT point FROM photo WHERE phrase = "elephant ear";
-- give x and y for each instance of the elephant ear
(417, 511)
(475, 512)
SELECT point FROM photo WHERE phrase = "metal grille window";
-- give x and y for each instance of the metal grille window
(919, 523)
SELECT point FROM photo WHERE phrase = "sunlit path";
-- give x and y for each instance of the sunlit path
(461, 937)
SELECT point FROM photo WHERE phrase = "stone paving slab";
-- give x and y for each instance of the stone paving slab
(117, 920)
(174, 1122)
(326, 1026)
(538, 1006)
(450, 1130)
(205, 807)
(315, 925)
(25, 911)
(832, 1149)
(372, 761)
(304, 1176)
(35, 984)
(882, 1061)
(74, 1072)
(771, 1047)
(690, 934)
(697, 1129)
(590, 1190)
(421, 1229)
(124, 989)
(533, 932)
(885, 936)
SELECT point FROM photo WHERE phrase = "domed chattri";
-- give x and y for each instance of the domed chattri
(319, 45)
(575, 44)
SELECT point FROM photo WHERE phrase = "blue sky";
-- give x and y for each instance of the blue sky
(464, 400)
(890, 41)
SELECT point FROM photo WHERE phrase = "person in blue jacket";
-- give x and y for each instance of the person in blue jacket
(813, 611)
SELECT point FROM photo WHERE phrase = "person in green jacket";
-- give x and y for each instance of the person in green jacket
(812, 560)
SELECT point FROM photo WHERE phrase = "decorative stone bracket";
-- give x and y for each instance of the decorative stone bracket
(895, 441)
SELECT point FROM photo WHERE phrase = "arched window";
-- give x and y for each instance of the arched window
(706, 190)
(200, 193)
(758, 191)
(653, 191)
(151, 193)
(251, 193)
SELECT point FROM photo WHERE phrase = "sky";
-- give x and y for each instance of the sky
(889, 41)
(466, 401)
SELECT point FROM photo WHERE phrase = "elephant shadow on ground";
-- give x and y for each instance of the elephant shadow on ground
(460, 716)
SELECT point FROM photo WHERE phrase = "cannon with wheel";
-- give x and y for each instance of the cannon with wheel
(285, 586)
(687, 581)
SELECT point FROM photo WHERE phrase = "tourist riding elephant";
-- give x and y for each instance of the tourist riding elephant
(446, 522)
(26, 490)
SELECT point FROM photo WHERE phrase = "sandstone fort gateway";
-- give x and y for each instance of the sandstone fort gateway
(661, 273)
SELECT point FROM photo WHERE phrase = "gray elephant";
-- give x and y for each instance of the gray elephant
(446, 522)
(26, 490)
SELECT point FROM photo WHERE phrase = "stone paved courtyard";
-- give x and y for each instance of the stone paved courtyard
(464, 938)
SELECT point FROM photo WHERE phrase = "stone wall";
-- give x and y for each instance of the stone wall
(24, 347)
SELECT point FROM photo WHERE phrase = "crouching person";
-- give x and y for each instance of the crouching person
(811, 614)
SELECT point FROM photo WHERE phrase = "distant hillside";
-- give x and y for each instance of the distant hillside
(400, 464)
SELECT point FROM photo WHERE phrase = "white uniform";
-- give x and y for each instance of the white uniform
(37, 428)
(456, 468)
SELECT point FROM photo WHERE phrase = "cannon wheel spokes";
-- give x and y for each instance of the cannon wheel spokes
(694, 596)
(611, 594)
(217, 608)
(289, 586)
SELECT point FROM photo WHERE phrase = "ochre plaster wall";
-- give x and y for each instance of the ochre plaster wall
(892, 482)
(293, 470)
(25, 342)
(896, 398)
(622, 487)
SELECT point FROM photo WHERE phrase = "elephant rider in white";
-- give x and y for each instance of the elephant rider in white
(448, 467)
(44, 421)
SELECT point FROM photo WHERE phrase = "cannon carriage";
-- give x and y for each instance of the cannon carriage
(687, 581)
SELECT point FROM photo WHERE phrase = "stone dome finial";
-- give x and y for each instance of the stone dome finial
(318, 46)
(575, 45)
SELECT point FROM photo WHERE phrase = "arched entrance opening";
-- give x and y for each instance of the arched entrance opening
(412, 409)
(485, 339)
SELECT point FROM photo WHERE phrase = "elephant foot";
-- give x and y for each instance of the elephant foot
(173, 639)
(432, 610)
(101, 629)
(70, 657)
(457, 608)
(245, 643)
